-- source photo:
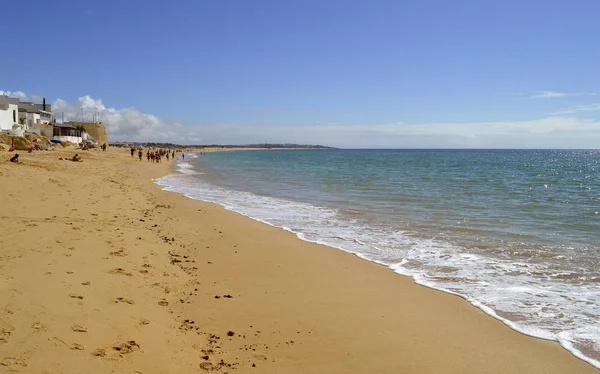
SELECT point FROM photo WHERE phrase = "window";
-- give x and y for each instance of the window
(14, 116)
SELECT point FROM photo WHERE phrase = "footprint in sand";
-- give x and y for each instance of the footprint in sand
(78, 328)
(208, 366)
(4, 335)
(74, 296)
(99, 352)
(127, 347)
(88, 283)
(38, 326)
(12, 361)
(123, 300)
(120, 253)
(120, 271)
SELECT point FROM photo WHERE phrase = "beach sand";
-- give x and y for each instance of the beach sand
(102, 272)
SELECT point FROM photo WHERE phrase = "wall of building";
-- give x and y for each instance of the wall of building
(6, 116)
(72, 139)
(48, 132)
(96, 130)
(31, 119)
(35, 119)
(45, 117)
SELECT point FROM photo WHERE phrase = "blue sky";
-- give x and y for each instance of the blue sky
(198, 70)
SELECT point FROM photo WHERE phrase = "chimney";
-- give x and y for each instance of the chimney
(44, 105)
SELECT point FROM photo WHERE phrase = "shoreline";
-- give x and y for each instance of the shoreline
(307, 308)
(489, 311)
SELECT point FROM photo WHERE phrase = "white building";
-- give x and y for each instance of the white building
(9, 112)
(33, 115)
(17, 115)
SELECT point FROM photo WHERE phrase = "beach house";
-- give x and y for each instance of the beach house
(9, 112)
(64, 132)
(25, 116)
(34, 116)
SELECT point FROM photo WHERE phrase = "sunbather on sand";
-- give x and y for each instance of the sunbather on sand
(75, 158)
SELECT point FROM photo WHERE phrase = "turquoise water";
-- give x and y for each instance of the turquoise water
(515, 232)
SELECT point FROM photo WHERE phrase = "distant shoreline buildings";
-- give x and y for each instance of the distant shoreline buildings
(18, 117)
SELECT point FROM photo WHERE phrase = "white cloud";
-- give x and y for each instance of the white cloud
(125, 123)
(129, 124)
(23, 96)
(548, 95)
(554, 94)
(578, 108)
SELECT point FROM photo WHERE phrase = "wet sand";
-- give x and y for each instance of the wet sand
(102, 272)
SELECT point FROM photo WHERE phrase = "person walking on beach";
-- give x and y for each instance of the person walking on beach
(132, 151)
(140, 154)
(183, 156)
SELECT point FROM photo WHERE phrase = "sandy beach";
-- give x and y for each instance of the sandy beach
(103, 272)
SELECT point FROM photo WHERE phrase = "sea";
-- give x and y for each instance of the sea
(514, 232)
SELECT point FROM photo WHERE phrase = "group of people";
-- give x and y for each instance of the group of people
(154, 155)
(76, 158)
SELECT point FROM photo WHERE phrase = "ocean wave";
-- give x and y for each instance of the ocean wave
(186, 168)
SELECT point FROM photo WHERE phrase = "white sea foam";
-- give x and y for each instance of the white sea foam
(185, 168)
(547, 307)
